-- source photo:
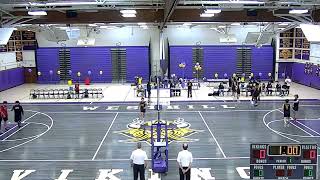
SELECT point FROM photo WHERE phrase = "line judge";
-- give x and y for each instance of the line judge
(184, 161)
(139, 162)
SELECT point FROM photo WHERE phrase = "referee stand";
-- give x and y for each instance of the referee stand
(159, 141)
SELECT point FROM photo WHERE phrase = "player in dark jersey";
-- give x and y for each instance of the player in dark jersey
(3, 115)
(286, 113)
(142, 107)
(18, 113)
(295, 107)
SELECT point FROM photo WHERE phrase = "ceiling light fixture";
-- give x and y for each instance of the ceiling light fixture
(109, 27)
(187, 24)
(235, 24)
(37, 13)
(283, 24)
(142, 24)
(206, 15)
(128, 11)
(298, 11)
(128, 15)
(93, 25)
(144, 27)
(212, 11)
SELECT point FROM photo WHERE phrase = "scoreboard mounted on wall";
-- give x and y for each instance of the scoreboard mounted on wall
(283, 161)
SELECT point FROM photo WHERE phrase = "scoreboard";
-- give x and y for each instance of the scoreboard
(283, 161)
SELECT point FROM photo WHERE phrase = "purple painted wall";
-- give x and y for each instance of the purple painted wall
(94, 59)
(300, 77)
(48, 59)
(11, 78)
(285, 68)
(180, 54)
(137, 63)
(262, 61)
(221, 59)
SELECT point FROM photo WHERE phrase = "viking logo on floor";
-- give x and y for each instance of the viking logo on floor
(178, 130)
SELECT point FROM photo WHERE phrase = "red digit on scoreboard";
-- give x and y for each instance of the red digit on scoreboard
(312, 154)
(262, 154)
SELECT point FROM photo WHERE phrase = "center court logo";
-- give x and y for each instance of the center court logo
(178, 130)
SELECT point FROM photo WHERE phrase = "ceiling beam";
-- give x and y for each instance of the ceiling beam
(169, 7)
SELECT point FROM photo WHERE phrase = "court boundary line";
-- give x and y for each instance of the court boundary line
(308, 127)
(108, 160)
(169, 111)
(30, 137)
(33, 115)
(288, 134)
(204, 121)
(296, 125)
(105, 136)
(276, 132)
(22, 121)
(30, 140)
(15, 132)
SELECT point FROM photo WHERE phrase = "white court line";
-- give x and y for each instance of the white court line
(107, 160)
(264, 122)
(308, 127)
(135, 112)
(15, 132)
(295, 135)
(212, 135)
(26, 138)
(105, 136)
(17, 125)
(32, 138)
(296, 125)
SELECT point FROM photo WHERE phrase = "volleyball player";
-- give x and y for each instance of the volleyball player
(295, 107)
(142, 106)
(3, 115)
(18, 113)
(286, 113)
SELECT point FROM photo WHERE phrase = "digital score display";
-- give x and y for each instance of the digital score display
(283, 161)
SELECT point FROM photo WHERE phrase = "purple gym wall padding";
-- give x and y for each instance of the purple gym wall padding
(95, 59)
(11, 78)
(180, 54)
(285, 68)
(300, 77)
(48, 59)
(262, 61)
(137, 63)
(219, 59)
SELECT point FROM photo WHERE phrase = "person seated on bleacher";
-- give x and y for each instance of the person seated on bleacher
(263, 88)
(285, 89)
(221, 89)
(269, 88)
(77, 90)
(278, 88)
(249, 88)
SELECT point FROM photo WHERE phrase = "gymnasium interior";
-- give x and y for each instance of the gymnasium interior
(80, 68)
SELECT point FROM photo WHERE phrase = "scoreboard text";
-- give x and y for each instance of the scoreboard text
(283, 161)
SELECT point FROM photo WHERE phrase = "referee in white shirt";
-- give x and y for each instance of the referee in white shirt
(184, 161)
(138, 162)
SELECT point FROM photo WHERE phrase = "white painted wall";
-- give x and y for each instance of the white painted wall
(29, 59)
(8, 60)
(179, 35)
(315, 53)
